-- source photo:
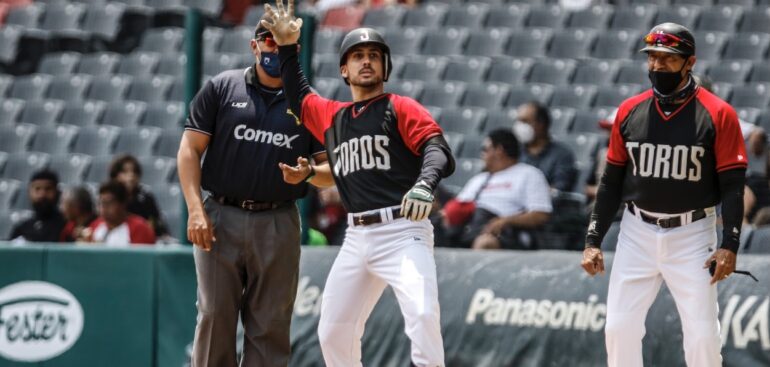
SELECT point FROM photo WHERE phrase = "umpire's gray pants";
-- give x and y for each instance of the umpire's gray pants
(252, 268)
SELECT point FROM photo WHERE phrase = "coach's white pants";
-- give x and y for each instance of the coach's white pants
(645, 256)
(399, 254)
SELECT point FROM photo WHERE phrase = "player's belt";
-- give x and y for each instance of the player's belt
(381, 216)
(668, 222)
(251, 205)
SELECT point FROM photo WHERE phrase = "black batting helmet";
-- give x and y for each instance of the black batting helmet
(670, 37)
(362, 36)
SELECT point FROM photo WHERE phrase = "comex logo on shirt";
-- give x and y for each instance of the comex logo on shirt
(260, 136)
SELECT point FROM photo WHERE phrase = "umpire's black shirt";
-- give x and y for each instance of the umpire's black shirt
(251, 132)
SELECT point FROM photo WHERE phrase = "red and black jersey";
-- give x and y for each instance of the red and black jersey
(672, 160)
(373, 145)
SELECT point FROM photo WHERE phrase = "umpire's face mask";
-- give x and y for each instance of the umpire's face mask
(665, 82)
(270, 63)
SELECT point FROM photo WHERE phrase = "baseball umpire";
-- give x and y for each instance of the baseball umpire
(675, 152)
(387, 155)
(245, 224)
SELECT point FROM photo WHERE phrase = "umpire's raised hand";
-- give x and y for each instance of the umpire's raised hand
(284, 26)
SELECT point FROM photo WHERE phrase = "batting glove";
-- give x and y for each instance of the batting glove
(417, 202)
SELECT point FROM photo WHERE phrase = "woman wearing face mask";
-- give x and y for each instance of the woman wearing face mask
(127, 170)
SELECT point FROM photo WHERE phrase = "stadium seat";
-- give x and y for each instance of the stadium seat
(759, 243)
(168, 142)
(139, 142)
(434, 112)
(99, 169)
(100, 63)
(16, 138)
(467, 69)
(574, 96)
(444, 41)
(160, 40)
(595, 17)
(109, 88)
(30, 87)
(54, 140)
(583, 145)
(150, 89)
(253, 14)
(520, 94)
(465, 169)
(326, 87)
(722, 90)
(509, 16)
(633, 72)
(747, 46)
(344, 17)
(610, 241)
(156, 171)
(383, 17)
(5, 84)
(764, 119)
(327, 40)
(10, 39)
(617, 44)
(164, 115)
(736, 71)
(743, 3)
(424, 68)
(214, 64)
(719, 19)
(587, 121)
(487, 42)
(547, 16)
(760, 72)
(468, 15)
(596, 72)
(637, 17)
(685, 15)
(531, 42)
(64, 16)
(172, 64)
(236, 40)
(10, 110)
(8, 190)
(465, 120)
(59, 63)
(409, 88)
(710, 45)
(27, 16)
(71, 168)
(169, 199)
(613, 96)
(509, 70)
(429, 15)
(96, 141)
(561, 119)
(454, 140)
(212, 37)
(571, 44)
(471, 146)
(748, 114)
(104, 21)
(327, 69)
(442, 94)
(21, 166)
(757, 20)
(84, 114)
(500, 119)
(693, 2)
(124, 114)
(485, 95)
(404, 41)
(69, 88)
(556, 72)
(42, 112)
(139, 64)
(177, 91)
(751, 95)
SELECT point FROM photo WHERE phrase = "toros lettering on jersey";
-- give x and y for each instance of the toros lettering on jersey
(678, 162)
(362, 153)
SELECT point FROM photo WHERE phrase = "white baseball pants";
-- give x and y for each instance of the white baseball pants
(398, 253)
(645, 256)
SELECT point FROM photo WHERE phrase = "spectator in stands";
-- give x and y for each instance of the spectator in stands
(553, 158)
(77, 206)
(47, 222)
(116, 226)
(127, 170)
(501, 203)
(331, 218)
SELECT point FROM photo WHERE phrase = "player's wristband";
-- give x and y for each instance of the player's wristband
(311, 175)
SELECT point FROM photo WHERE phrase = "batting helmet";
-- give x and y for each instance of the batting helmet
(362, 36)
(670, 37)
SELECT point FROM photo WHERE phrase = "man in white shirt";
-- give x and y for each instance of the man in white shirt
(509, 197)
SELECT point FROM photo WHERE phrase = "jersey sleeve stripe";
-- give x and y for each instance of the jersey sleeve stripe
(198, 131)
(732, 166)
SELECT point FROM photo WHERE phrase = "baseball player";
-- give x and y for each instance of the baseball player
(387, 155)
(675, 152)
(243, 218)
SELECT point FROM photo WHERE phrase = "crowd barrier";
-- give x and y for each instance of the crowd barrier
(88, 306)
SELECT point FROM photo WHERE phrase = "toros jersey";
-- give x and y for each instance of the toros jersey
(672, 160)
(373, 146)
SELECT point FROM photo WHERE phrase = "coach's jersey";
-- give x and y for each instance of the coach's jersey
(672, 160)
(373, 146)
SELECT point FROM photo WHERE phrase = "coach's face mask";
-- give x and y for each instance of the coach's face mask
(270, 63)
(523, 131)
(665, 82)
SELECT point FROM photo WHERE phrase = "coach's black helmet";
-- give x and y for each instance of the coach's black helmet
(671, 38)
(362, 36)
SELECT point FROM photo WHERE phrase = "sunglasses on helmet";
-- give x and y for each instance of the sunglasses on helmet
(664, 39)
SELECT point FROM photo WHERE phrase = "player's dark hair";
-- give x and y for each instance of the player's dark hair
(542, 115)
(83, 199)
(505, 139)
(118, 163)
(45, 174)
(116, 189)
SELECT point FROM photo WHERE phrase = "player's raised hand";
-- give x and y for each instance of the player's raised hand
(199, 230)
(593, 261)
(417, 202)
(296, 174)
(284, 26)
(724, 264)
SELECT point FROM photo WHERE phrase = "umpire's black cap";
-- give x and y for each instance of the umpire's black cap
(361, 36)
(670, 37)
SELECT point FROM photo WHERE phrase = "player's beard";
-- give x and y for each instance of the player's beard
(367, 83)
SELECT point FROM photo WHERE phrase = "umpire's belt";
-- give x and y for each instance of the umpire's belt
(251, 205)
(673, 221)
(384, 215)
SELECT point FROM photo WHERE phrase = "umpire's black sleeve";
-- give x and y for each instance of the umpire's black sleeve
(437, 161)
(608, 199)
(731, 186)
(295, 84)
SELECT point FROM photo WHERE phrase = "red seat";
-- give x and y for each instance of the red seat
(345, 18)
